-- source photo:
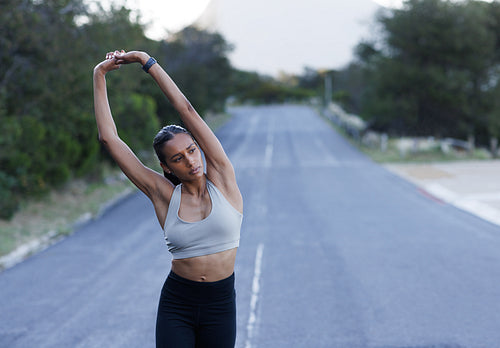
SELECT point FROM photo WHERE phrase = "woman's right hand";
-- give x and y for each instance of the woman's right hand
(123, 57)
(109, 64)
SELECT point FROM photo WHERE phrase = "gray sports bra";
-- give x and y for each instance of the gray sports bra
(219, 231)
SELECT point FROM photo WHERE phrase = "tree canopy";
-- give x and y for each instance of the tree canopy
(435, 71)
(47, 53)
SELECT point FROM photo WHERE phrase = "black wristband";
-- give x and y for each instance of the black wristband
(151, 61)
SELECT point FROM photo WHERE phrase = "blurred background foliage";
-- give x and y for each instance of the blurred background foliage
(433, 70)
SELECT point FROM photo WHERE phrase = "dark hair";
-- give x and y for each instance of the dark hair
(164, 135)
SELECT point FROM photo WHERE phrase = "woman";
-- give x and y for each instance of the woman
(199, 209)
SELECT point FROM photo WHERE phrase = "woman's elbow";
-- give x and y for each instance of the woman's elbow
(102, 140)
(106, 139)
(184, 107)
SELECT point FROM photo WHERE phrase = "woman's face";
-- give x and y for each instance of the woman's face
(183, 158)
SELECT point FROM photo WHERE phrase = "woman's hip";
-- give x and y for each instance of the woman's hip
(184, 291)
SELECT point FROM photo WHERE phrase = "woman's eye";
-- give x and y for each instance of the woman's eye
(177, 159)
(192, 150)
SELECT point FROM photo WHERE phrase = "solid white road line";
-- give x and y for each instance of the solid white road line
(252, 318)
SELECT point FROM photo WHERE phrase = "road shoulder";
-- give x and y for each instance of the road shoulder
(473, 186)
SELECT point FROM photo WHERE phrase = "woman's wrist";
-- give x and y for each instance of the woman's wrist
(151, 61)
(99, 71)
(143, 58)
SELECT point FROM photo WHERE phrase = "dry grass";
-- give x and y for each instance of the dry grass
(56, 212)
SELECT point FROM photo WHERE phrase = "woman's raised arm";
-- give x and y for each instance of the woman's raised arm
(219, 167)
(147, 180)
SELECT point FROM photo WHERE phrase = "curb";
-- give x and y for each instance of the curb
(471, 206)
(467, 203)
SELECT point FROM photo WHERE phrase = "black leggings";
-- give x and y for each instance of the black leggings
(196, 314)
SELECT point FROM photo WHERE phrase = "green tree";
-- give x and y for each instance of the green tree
(35, 93)
(433, 71)
(47, 52)
(48, 131)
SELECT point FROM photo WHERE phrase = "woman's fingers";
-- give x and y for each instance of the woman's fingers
(115, 64)
(121, 57)
(111, 55)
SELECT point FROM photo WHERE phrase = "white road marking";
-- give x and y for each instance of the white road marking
(252, 318)
(268, 157)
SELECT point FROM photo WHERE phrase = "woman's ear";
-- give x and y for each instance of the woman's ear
(165, 168)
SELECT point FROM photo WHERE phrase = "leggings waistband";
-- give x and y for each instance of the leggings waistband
(186, 290)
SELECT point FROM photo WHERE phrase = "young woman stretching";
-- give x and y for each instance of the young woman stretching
(200, 210)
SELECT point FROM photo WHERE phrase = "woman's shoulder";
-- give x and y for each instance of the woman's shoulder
(230, 192)
(162, 200)
(163, 194)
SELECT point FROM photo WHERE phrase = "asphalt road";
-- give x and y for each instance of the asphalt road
(335, 252)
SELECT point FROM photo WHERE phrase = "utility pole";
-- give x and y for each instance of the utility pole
(328, 87)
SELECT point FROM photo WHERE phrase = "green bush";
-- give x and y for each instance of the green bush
(9, 202)
(48, 132)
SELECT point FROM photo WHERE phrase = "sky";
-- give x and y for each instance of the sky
(163, 16)
(263, 42)
(272, 36)
(172, 15)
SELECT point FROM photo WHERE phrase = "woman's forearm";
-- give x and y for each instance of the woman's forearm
(104, 119)
(170, 89)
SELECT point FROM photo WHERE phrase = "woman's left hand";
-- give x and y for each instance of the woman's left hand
(123, 57)
(109, 64)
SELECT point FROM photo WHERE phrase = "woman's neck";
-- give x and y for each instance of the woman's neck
(195, 188)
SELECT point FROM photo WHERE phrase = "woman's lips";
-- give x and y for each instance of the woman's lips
(194, 171)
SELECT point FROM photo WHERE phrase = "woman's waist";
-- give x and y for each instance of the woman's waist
(206, 268)
(182, 290)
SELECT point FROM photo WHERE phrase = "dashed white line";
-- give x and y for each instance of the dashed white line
(252, 318)
(269, 150)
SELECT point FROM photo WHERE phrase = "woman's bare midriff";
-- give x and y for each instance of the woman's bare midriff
(207, 268)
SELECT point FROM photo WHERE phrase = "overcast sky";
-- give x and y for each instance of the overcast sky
(272, 35)
(172, 15)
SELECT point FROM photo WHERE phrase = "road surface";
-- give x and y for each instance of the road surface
(335, 252)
